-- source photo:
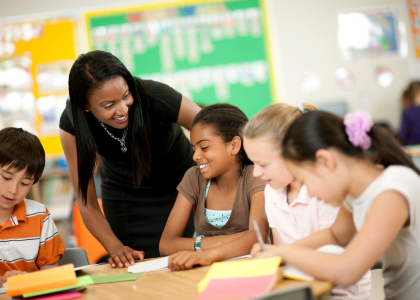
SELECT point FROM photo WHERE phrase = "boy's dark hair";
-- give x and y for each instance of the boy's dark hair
(20, 149)
(227, 121)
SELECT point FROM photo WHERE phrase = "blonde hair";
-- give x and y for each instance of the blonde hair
(273, 122)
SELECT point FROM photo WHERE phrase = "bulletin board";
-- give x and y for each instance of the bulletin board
(210, 51)
(35, 60)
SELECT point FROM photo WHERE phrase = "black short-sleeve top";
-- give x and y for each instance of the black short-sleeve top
(170, 149)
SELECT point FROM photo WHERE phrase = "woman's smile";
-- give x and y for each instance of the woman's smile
(121, 120)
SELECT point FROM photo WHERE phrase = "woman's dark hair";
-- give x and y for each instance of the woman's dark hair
(89, 72)
(322, 130)
(20, 149)
(227, 122)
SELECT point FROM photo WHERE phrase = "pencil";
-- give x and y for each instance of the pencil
(258, 233)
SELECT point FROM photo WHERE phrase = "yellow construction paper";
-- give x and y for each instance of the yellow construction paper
(240, 268)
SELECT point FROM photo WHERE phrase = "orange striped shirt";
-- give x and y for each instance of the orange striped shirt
(29, 239)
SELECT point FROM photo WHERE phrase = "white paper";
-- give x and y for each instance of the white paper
(3, 289)
(160, 264)
(149, 266)
(88, 266)
(238, 257)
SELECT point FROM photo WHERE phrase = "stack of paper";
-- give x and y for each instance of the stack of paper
(59, 277)
(55, 283)
(239, 279)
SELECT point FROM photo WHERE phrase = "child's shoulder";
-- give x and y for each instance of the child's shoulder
(34, 208)
(193, 174)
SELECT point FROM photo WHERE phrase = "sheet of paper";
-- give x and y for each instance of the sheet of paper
(81, 281)
(88, 266)
(149, 266)
(239, 257)
(3, 288)
(58, 277)
(293, 273)
(240, 268)
(245, 287)
(115, 278)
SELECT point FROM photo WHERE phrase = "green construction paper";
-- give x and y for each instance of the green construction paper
(115, 278)
(81, 281)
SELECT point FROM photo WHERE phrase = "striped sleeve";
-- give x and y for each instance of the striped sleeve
(51, 247)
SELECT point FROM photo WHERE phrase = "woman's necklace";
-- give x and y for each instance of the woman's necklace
(121, 140)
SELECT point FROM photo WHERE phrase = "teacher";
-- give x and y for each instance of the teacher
(134, 126)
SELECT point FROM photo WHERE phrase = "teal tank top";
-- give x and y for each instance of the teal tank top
(216, 218)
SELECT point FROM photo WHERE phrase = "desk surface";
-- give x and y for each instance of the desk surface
(168, 285)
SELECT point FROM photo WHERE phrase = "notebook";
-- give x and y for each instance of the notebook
(240, 268)
(42, 280)
(238, 287)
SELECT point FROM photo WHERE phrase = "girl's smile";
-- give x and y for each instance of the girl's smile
(213, 156)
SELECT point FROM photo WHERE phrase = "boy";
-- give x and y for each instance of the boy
(29, 240)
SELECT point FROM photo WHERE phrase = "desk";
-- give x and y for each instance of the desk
(165, 285)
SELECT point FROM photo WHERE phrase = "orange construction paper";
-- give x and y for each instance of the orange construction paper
(42, 280)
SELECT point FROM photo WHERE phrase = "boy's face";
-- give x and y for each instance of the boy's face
(14, 186)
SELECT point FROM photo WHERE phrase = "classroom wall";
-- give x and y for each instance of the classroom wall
(307, 41)
(303, 38)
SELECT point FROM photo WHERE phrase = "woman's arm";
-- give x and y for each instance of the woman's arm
(388, 214)
(91, 213)
(239, 246)
(172, 240)
(187, 113)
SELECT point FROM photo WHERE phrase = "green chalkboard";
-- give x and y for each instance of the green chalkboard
(210, 51)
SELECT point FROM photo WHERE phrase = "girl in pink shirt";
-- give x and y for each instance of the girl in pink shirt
(292, 214)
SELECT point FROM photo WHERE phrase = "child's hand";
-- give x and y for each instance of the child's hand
(186, 260)
(270, 251)
(10, 274)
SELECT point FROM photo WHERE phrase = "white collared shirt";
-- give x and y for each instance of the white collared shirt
(305, 215)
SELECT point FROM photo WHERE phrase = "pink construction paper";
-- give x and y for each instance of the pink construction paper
(63, 296)
(238, 287)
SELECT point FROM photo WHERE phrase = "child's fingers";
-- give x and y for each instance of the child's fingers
(111, 261)
(255, 249)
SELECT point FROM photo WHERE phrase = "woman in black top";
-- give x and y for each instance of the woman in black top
(134, 125)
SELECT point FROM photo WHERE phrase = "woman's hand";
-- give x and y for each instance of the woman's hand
(10, 274)
(186, 260)
(123, 256)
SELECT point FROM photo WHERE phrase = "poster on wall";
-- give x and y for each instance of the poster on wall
(35, 60)
(414, 9)
(210, 51)
(369, 32)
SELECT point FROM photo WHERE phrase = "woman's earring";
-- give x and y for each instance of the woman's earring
(87, 110)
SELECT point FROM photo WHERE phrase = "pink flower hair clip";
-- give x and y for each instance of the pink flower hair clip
(357, 126)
